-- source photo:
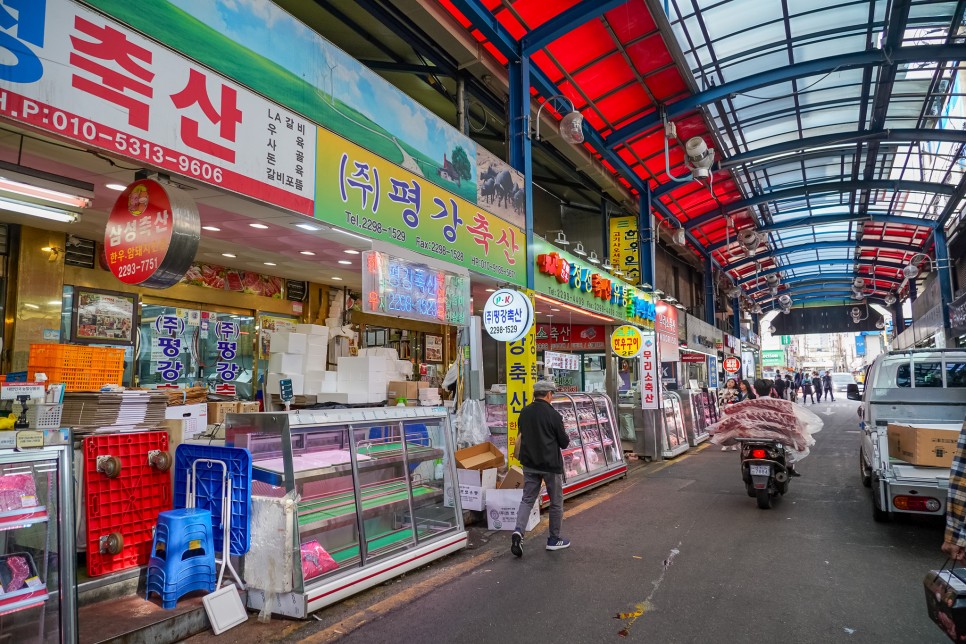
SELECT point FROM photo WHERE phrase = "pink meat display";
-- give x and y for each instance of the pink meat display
(19, 570)
(769, 419)
(14, 488)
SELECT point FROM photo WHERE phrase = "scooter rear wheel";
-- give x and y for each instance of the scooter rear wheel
(764, 499)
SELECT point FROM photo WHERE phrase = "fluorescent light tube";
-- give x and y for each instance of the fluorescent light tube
(38, 211)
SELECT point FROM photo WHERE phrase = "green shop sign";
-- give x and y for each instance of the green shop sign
(773, 358)
(365, 194)
(567, 278)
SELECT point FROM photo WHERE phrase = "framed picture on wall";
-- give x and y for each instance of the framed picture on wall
(433, 348)
(103, 317)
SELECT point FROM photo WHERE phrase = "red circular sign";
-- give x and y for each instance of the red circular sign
(732, 365)
(152, 235)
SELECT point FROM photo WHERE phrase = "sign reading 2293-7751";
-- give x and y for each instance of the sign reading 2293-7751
(70, 71)
(362, 192)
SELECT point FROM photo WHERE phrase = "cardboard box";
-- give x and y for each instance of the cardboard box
(479, 457)
(218, 410)
(473, 486)
(195, 418)
(402, 389)
(513, 480)
(928, 446)
(501, 510)
(247, 407)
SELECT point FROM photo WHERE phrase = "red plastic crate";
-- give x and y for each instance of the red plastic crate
(129, 504)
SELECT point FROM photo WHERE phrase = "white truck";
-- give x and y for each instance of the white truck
(921, 387)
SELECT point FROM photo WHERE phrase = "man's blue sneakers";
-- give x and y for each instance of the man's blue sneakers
(556, 544)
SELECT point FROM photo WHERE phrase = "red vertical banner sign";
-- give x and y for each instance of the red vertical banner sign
(521, 374)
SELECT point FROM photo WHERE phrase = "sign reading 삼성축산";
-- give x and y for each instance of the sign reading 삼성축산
(732, 365)
(508, 315)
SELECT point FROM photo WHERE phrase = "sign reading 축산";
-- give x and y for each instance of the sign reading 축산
(365, 194)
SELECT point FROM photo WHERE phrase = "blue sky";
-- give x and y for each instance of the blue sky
(269, 31)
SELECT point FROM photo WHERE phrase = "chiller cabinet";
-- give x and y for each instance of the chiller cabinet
(343, 500)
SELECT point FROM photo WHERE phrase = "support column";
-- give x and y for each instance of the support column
(942, 272)
(521, 154)
(645, 239)
(898, 321)
(913, 292)
(709, 303)
(736, 317)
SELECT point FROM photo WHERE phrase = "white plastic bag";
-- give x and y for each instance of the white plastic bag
(471, 424)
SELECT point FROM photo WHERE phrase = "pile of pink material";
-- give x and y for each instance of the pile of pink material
(769, 419)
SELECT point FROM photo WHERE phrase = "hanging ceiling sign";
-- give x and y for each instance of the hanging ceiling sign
(400, 288)
(152, 235)
(569, 279)
(624, 253)
(81, 76)
(508, 315)
(627, 341)
(365, 194)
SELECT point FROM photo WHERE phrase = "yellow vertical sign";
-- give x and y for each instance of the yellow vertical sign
(623, 247)
(521, 374)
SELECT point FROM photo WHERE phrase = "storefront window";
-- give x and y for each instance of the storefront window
(183, 346)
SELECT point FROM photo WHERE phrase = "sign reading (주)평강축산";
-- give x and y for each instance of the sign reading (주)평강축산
(508, 315)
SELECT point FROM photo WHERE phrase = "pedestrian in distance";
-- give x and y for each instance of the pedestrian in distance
(780, 386)
(827, 384)
(728, 393)
(791, 388)
(807, 391)
(541, 438)
(745, 391)
(817, 385)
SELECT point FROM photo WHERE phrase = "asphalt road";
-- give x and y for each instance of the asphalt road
(682, 554)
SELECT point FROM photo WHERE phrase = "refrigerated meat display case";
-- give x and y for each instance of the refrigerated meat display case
(359, 496)
(38, 601)
(675, 437)
(700, 408)
(594, 455)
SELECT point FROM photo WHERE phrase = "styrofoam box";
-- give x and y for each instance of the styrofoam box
(288, 342)
(343, 398)
(368, 364)
(329, 388)
(285, 362)
(313, 364)
(331, 376)
(316, 374)
(312, 387)
(311, 329)
(318, 340)
(298, 383)
(501, 510)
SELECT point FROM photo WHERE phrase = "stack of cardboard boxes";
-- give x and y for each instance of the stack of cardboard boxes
(479, 488)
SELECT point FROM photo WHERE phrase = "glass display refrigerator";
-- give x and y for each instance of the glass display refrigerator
(343, 500)
(700, 409)
(38, 601)
(674, 435)
(594, 455)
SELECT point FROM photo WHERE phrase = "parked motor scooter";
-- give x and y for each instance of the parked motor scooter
(764, 469)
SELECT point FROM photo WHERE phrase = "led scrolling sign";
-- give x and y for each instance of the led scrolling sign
(397, 287)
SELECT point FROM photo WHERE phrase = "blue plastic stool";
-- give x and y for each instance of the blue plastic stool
(182, 556)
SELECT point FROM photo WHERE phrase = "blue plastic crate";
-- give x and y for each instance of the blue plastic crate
(17, 376)
(208, 491)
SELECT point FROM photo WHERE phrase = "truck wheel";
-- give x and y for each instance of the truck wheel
(864, 472)
(764, 499)
(878, 515)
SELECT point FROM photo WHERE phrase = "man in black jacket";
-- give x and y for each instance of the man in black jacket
(541, 438)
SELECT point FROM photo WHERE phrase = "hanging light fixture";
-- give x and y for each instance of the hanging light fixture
(890, 299)
(607, 265)
(593, 259)
(618, 272)
(571, 126)
(579, 250)
(561, 239)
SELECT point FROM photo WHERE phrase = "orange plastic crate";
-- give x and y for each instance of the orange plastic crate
(80, 368)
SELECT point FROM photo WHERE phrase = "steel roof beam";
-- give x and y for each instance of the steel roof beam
(816, 189)
(806, 281)
(921, 53)
(821, 220)
(565, 22)
(820, 262)
(798, 248)
(904, 135)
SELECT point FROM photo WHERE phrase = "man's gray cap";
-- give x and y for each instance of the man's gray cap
(544, 386)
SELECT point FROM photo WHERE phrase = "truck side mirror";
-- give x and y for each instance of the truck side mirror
(852, 392)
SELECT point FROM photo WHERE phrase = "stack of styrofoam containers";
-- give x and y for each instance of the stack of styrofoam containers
(334, 318)
(316, 354)
(364, 375)
(286, 361)
(429, 397)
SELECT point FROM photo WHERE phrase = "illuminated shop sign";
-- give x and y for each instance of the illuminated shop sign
(400, 288)
(564, 278)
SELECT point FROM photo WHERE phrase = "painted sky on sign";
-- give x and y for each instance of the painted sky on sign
(261, 26)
